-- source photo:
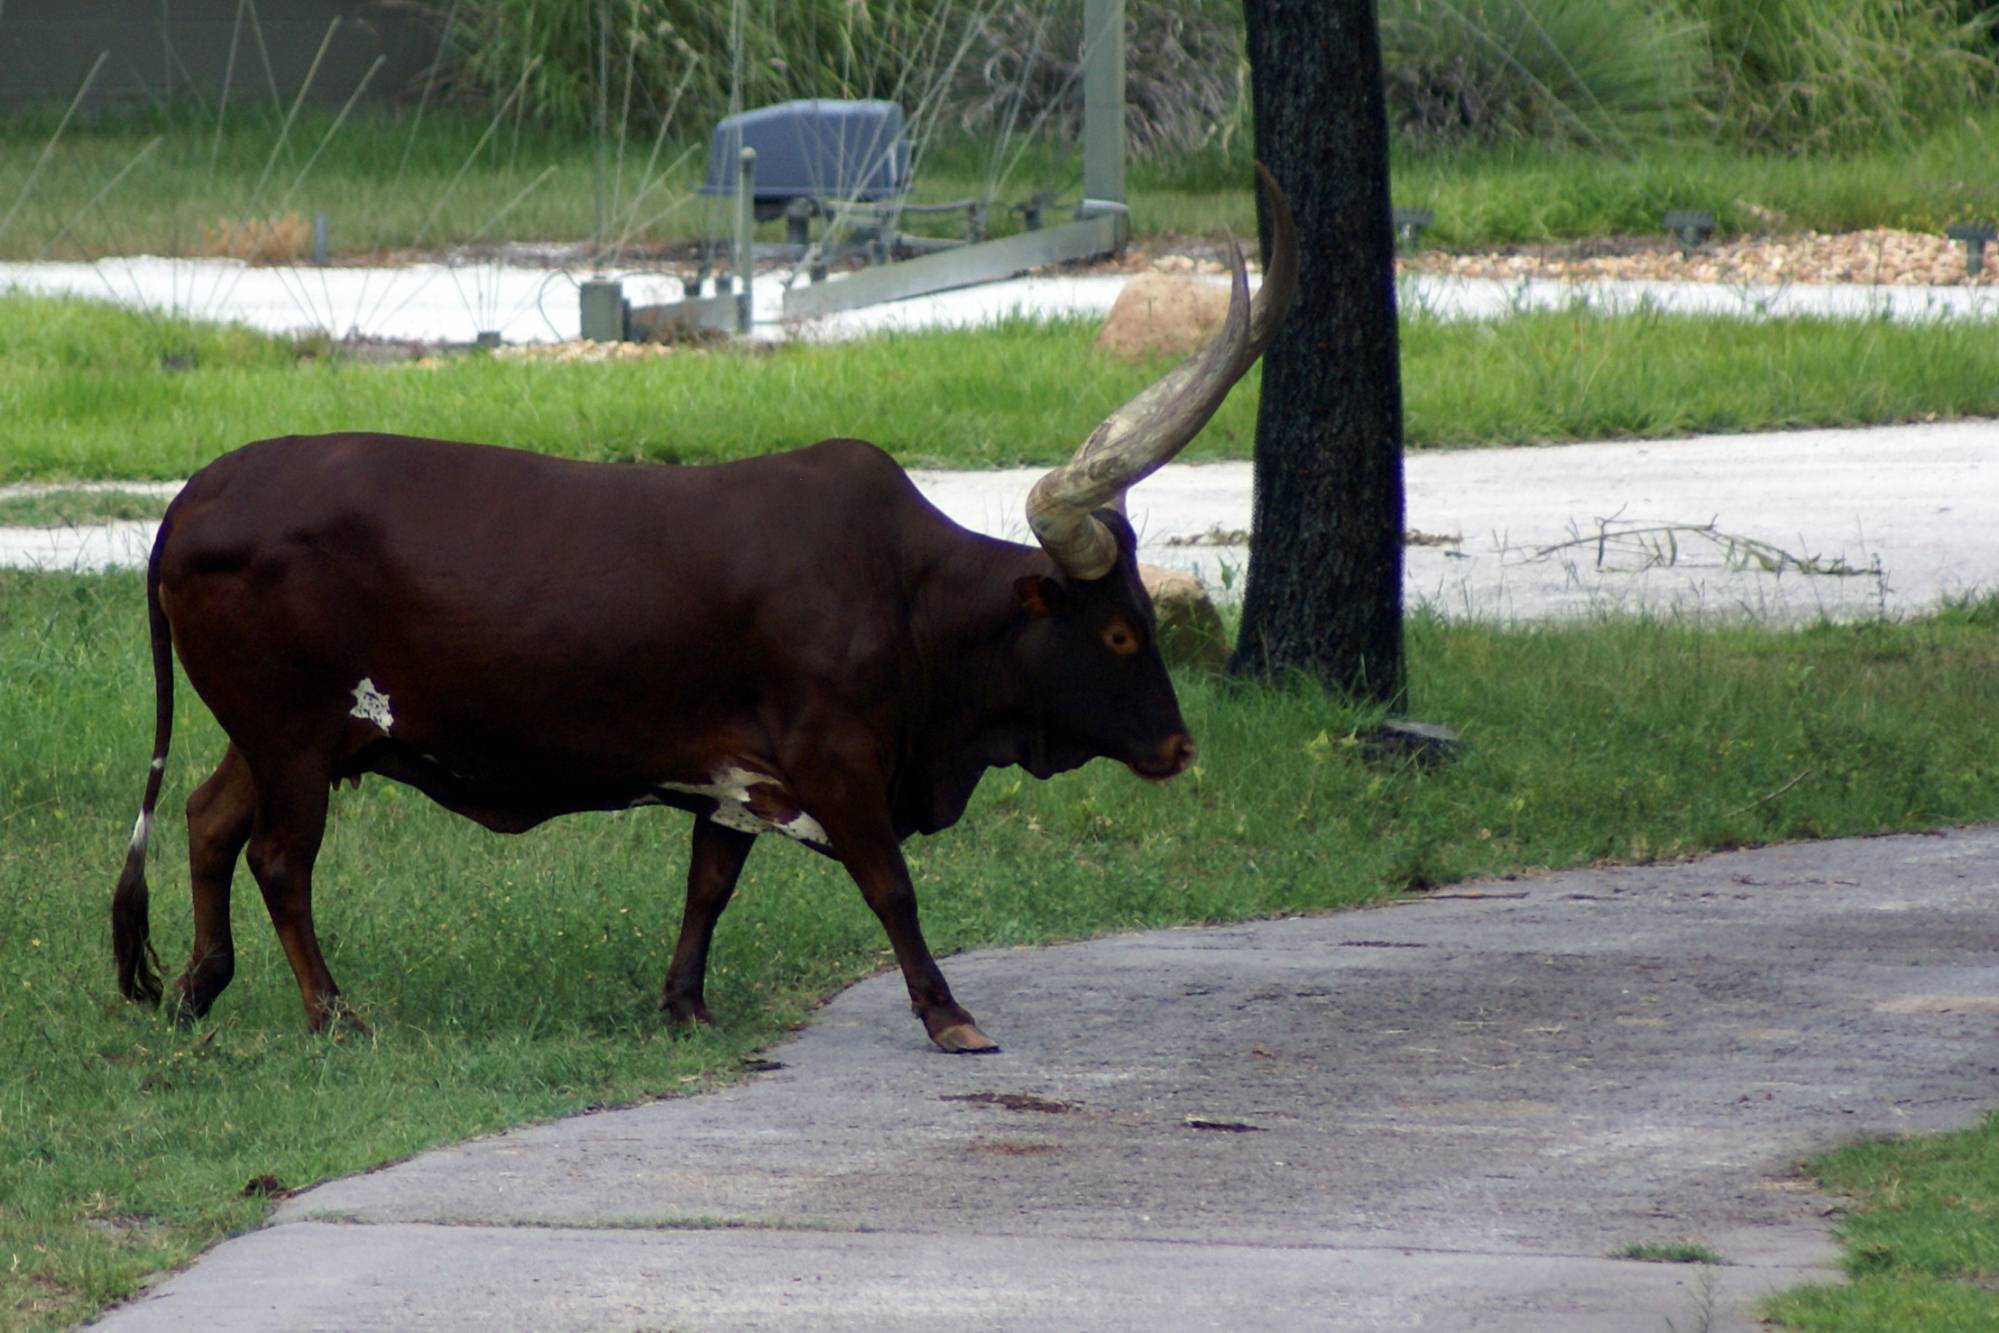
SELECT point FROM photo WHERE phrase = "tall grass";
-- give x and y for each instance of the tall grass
(663, 55)
(1789, 75)
(1803, 75)
(984, 66)
(1786, 75)
(1610, 74)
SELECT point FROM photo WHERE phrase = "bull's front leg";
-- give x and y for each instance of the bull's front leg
(863, 839)
(883, 877)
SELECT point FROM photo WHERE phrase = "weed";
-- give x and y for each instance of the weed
(1667, 1252)
(283, 239)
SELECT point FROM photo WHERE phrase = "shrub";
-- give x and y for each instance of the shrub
(1790, 75)
(1607, 73)
(1186, 73)
(1798, 75)
(671, 60)
(975, 65)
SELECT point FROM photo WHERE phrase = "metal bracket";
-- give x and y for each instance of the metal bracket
(1692, 225)
(677, 319)
(604, 317)
(965, 266)
(1409, 224)
(1975, 235)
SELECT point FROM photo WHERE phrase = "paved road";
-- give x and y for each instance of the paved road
(1445, 1114)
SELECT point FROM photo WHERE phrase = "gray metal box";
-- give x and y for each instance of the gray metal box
(818, 149)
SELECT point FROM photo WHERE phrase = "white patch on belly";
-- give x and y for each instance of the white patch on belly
(730, 790)
(371, 705)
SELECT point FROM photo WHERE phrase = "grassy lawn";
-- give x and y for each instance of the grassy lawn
(1531, 192)
(160, 186)
(84, 395)
(62, 509)
(1922, 1250)
(519, 981)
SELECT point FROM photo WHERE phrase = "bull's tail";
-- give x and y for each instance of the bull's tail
(131, 934)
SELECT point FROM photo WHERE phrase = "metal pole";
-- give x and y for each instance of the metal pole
(746, 219)
(601, 119)
(1103, 103)
(736, 57)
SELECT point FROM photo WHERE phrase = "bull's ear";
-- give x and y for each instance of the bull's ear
(1040, 596)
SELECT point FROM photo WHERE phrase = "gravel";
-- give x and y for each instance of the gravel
(1877, 257)
(1880, 256)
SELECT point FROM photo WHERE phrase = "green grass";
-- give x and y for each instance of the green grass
(510, 979)
(83, 394)
(62, 509)
(1667, 1252)
(385, 189)
(152, 185)
(1530, 192)
(1921, 1248)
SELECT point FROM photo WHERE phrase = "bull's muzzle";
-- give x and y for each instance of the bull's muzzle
(1173, 757)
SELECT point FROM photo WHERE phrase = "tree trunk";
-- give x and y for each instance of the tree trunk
(1324, 591)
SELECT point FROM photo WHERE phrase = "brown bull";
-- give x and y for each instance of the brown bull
(797, 644)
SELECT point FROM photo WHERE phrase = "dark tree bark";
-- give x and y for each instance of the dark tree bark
(1324, 592)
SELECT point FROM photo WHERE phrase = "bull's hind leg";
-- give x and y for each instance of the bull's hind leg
(712, 869)
(219, 816)
(284, 843)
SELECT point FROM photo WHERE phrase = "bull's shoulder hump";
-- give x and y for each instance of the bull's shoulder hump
(859, 466)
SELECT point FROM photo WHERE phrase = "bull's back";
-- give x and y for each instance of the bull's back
(517, 604)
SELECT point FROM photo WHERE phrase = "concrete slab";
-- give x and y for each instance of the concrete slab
(454, 301)
(303, 1277)
(1447, 1113)
(1885, 521)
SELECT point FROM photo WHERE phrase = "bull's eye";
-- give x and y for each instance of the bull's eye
(1120, 638)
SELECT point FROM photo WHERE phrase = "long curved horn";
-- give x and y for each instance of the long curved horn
(1142, 436)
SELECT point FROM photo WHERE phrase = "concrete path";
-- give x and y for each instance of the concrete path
(1781, 527)
(455, 301)
(1445, 1114)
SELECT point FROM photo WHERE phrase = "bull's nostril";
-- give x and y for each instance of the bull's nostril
(1171, 758)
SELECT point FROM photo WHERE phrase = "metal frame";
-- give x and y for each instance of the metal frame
(1101, 219)
(964, 266)
(1100, 227)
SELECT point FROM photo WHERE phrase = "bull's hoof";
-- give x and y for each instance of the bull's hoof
(336, 1017)
(683, 1017)
(192, 995)
(964, 1039)
(183, 1008)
